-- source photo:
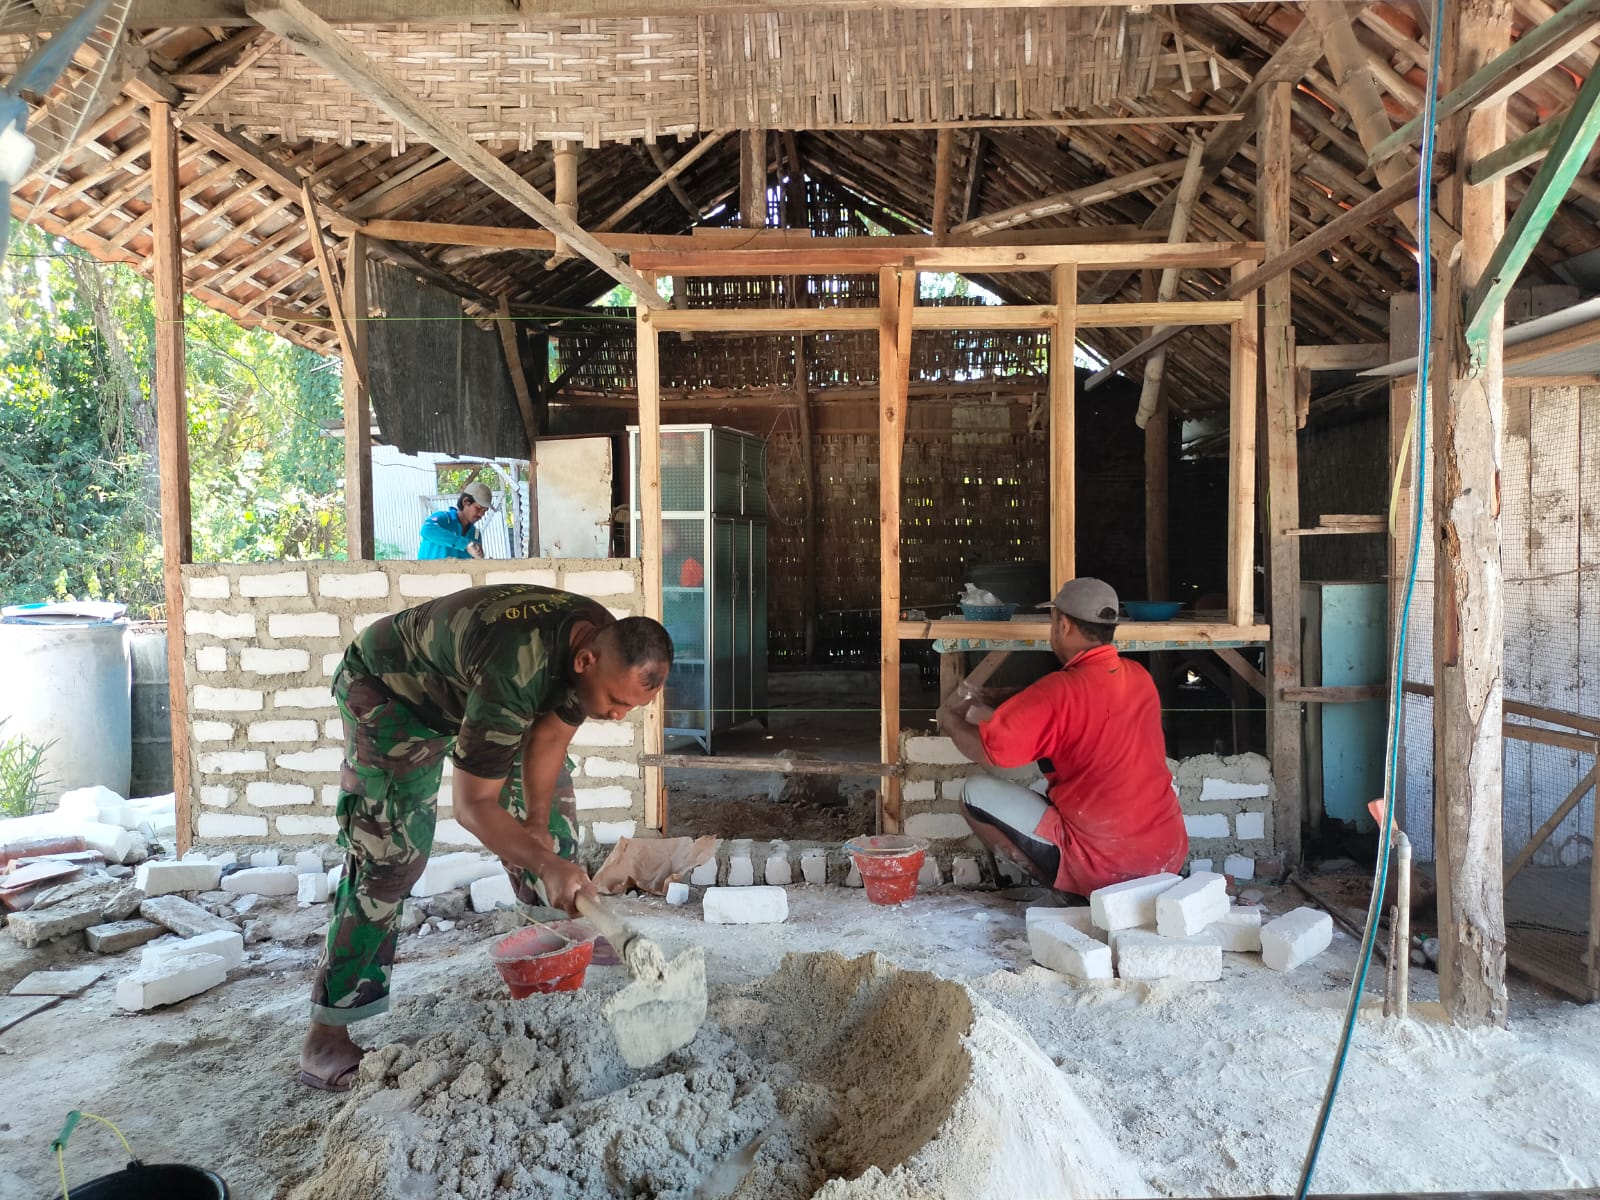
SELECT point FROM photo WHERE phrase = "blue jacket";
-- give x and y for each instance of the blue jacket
(442, 536)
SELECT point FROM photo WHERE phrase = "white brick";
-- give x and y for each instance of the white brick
(282, 731)
(218, 624)
(1130, 903)
(210, 659)
(813, 866)
(938, 826)
(1187, 907)
(451, 833)
(162, 878)
(266, 858)
(327, 759)
(308, 697)
(1205, 825)
(303, 625)
(312, 889)
(215, 796)
(230, 762)
(274, 662)
(355, 585)
(262, 881)
(1145, 955)
(330, 663)
(306, 861)
(365, 620)
(446, 872)
(1080, 918)
(705, 875)
(599, 583)
(330, 796)
(1059, 947)
(277, 583)
(677, 893)
(602, 797)
(210, 699)
(492, 891)
(536, 577)
(609, 833)
(610, 768)
(1231, 789)
(269, 794)
(929, 876)
(917, 790)
(746, 905)
(778, 872)
(333, 730)
(603, 733)
(212, 731)
(950, 789)
(1295, 937)
(939, 751)
(296, 825)
(1239, 930)
(1196, 865)
(741, 871)
(209, 587)
(1251, 826)
(1239, 867)
(175, 980)
(433, 585)
(226, 945)
(964, 872)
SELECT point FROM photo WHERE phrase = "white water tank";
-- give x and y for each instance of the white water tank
(66, 681)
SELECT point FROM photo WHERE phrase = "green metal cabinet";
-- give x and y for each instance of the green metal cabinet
(714, 575)
(1345, 645)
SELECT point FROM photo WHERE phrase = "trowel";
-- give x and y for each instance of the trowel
(664, 1006)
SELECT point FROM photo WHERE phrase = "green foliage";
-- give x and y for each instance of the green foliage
(22, 775)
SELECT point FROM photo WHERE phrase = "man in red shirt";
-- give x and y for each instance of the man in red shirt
(1094, 728)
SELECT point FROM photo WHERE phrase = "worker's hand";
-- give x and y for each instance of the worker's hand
(475, 550)
(563, 881)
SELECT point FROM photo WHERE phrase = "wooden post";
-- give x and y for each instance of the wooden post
(648, 355)
(1242, 463)
(944, 152)
(1469, 602)
(357, 407)
(172, 440)
(1063, 428)
(1282, 473)
(753, 178)
(808, 511)
(1157, 467)
(1404, 319)
(897, 293)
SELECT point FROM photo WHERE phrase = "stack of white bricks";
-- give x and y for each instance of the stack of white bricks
(174, 969)
(263, 642)
(1167, 927)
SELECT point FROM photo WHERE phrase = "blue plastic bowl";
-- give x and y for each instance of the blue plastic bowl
(1152, 610)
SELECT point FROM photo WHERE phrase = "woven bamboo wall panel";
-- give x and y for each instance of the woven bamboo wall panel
(625, 79)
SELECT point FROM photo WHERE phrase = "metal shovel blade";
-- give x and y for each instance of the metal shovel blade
(653, 1017)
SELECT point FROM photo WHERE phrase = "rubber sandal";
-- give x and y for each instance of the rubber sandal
(342, 1082)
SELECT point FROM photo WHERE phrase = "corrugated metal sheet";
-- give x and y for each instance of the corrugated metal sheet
(439, 383)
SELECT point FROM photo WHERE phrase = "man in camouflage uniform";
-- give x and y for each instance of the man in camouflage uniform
(498, 678)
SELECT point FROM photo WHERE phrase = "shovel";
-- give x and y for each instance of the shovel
(662, 1009)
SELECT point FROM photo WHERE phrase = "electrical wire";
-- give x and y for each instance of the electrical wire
(1397, 671)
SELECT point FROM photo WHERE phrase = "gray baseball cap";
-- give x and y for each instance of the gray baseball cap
(1086, 599)
(480, 493)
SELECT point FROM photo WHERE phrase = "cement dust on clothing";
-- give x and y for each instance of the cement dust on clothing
(1206, 1089)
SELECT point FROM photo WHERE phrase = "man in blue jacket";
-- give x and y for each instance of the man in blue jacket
(451, 532)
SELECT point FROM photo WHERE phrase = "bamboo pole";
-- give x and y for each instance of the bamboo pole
(648, 357)
(1063, 428)
(358, 516)
(896, 296)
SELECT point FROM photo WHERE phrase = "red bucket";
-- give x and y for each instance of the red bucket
(544, 958)
(888, 864)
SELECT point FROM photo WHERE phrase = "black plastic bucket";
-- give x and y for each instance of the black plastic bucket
(157, 1181)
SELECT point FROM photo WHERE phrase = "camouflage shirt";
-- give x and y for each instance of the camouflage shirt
(480, 665)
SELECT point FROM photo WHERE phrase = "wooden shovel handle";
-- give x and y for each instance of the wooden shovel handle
(613, 930)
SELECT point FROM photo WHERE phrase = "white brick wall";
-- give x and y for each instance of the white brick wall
(537, 577)
(279, 795)
(599, 583)
(312, 760)
(610, 768)
(219, 624)
(282, 731)
(212, 731)
(602, 797)
(306, 697)
(210, 659)
(215, 587)
(364, 585)
(215, 796)
(294, 825)
(936, 751)
(303, 625)
(221, 826)
(231, 762)
(273, 662)
(603, 733)
(278, 583)
(428, 586)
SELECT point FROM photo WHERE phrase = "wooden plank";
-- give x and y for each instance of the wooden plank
(693, 155)
(943, 156)
(241, 152)
(1243, 669)
(1404, 319)
(172, 448)
(971, 192)
(321, 43)
(1167, 290)
(355, 316)
(1157, 454)
(1494, 82)
(647, 352)
(507, 328)
(1532, 712)
(1177, 633)
(1514, 156)
(1541, 835)
(1282, 470)
(1063, 428)
(1355, 694)
(764, 320)
(990, 258)
(773, 766)
(1182, 313)
(1361, 356)
(985, 316)
(331, 285)
(897, 295)
(1075, 200)
(255, 54)
(1535, 211)
(1242, 350)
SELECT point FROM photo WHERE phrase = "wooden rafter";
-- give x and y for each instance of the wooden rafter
(1077, 199)
(667, 178)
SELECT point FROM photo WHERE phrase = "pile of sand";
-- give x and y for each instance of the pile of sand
(834, 1078)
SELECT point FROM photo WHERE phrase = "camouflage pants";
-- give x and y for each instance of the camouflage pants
(388, 804)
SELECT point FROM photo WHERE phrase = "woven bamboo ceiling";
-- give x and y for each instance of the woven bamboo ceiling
(1033, 104)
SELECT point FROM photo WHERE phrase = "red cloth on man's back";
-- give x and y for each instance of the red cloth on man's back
(1095, 727)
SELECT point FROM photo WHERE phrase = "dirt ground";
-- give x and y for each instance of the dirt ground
(1209, 1088)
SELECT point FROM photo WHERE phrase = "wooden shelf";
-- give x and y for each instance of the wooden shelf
(955, 634)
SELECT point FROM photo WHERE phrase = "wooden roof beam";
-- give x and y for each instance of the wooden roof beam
(667, 178)
(323, 44)
(1078, 198)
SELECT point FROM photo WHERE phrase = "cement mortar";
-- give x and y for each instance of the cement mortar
(833, 1078)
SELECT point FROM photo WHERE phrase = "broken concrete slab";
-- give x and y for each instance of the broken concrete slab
(123, 903)
(229, 947)
(182, 917)
(19, 1008)
(116, 936)
(72, 982)
(34, 927)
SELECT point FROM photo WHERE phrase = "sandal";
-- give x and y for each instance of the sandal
(341, 1081)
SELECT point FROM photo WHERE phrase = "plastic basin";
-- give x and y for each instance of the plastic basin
(1152, 610)
(157, 1181)
(544, 958)
(888, 864)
